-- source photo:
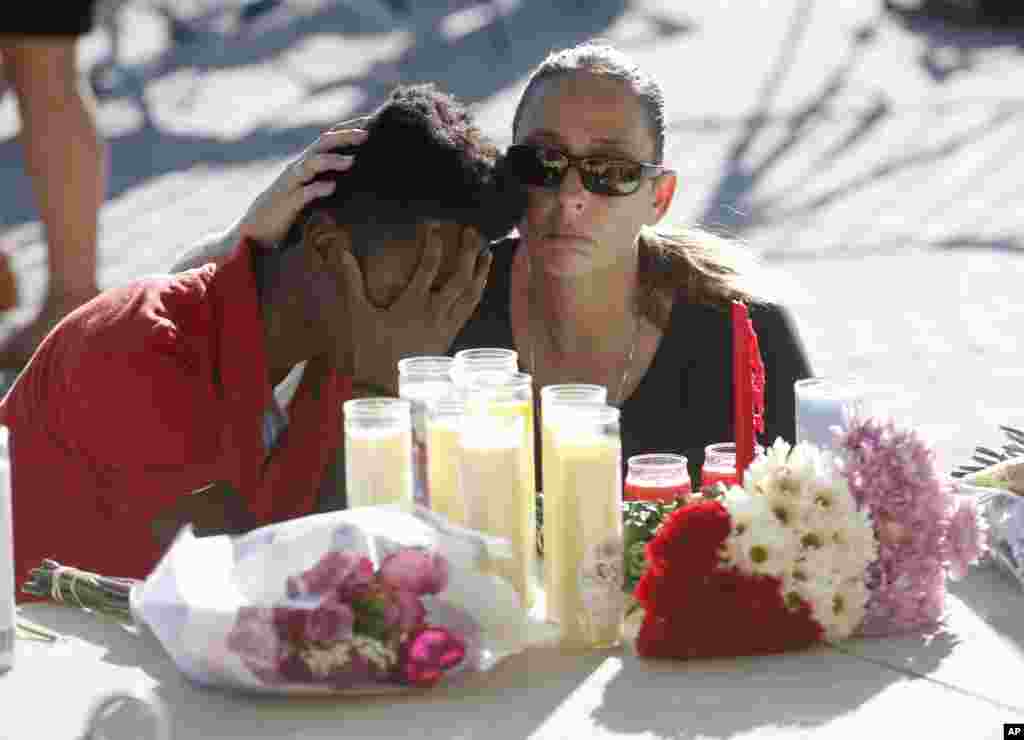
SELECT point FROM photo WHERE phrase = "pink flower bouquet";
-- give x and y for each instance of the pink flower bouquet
(926, 533)
(363, 601)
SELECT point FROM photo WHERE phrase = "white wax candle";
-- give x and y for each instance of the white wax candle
(6, 557)
(378, 466)
(819, 407)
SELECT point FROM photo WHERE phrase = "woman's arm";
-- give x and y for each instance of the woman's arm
(271, 214)
(215, 248)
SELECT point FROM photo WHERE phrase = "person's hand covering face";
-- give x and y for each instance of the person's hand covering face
(392, 315)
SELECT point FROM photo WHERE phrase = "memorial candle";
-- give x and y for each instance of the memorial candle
(493, 478)
(719, 465)
(6, 557)
(378, 452)
(553, 398)
(824, 403)
(589, 556)
(444, 423)
(423, 380)
(656, 477)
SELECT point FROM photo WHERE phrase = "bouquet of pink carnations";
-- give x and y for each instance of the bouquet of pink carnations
(362, 601)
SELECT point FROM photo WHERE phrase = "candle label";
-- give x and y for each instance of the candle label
(601, 579)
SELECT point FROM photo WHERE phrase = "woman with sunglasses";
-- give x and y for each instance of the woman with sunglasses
(590, 292)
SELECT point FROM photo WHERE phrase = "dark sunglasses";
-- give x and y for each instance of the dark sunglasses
(546, 167)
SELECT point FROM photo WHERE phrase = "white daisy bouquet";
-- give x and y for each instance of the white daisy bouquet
(812, 547)
(775, 565)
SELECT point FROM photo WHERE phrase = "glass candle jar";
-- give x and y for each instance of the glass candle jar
(6, 557)
(824, 405)
(493, 477)
(444, 427)
(483, 364)
(587, 545)
(552, 397)
(421, 381)
(719, 465)
(656, 477)
(378, 451)
(511, 396)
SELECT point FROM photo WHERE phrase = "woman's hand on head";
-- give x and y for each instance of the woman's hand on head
(423, 320)
(270, 216)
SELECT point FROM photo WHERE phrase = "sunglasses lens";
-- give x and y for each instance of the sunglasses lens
(546, 167)
(554, 165)
(611, 177)
(537, 166)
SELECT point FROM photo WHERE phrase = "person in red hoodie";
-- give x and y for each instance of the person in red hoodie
(152, 405)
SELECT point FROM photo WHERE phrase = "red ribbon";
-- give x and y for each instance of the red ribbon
(748, 380)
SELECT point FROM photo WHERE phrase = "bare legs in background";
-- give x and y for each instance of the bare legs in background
(66, 160)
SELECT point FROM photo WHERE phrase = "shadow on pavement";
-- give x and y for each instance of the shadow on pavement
(954, 48)
(737, 696)
(472, 66)
(739, 201)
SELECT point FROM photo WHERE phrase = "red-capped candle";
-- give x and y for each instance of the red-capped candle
(719, 465)
(656, 477)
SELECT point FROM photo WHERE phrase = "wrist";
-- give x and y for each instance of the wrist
(240, 231)
(376, 374)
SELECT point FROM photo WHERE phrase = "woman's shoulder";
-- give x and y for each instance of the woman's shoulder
(699, 329)
(778, 332)
(771, 316)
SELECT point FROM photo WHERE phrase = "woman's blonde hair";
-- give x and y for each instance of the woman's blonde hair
(694, 265)
(690, 264)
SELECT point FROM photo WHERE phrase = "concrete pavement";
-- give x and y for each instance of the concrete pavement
(874, 165)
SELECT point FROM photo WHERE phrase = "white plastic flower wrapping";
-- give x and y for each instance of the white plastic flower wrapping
(367, 600)
(1003, 514)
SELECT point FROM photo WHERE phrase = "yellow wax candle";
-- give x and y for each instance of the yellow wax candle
(553, 398)
(553, 493)
(493, 478)
(378, 466)
(443, 469)
(588, 542)
(500, 403)
(526, 508)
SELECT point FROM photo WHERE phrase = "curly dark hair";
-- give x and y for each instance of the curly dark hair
(423, 159)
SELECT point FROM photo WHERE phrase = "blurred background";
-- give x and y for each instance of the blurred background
(870, 152)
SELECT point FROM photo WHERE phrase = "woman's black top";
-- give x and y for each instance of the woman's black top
(685, 400)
